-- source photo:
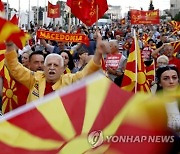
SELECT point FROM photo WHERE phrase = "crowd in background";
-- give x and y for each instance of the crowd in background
(154, 42)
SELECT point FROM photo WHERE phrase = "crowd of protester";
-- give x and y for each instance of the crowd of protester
(155, 48)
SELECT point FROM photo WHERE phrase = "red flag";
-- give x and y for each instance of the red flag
(2, 11)
(15, 20)
(1, 6)
(145, 17)
(53, 10)
(85, 10)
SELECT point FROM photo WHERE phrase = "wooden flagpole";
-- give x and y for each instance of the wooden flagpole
(69, 21)
(136, 60)
(97, 15)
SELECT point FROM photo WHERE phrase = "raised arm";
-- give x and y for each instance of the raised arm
(17, 70)
(94, 64)
(156, 52)
(49, 47)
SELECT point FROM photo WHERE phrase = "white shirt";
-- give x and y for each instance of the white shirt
(173, 116)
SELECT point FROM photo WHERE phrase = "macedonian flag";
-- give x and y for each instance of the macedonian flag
(175, 25)
(9, 31)
(135, 75)
(87, 117)
(14, 94)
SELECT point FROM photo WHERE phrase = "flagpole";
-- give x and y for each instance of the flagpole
(97, 15)
(136, 59)
(69, 26)
(7, 13)
(19, 13)
(29, 15)
(45, 13)
(37, 11)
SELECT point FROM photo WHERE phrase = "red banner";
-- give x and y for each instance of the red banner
(86, 10)
(53, 10)
(63, 37)
(145, 17)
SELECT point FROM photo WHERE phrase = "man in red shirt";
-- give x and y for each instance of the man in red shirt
(168, 50)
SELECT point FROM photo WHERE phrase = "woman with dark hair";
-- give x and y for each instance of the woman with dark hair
(167, 78)
(168, 81)
(68, 61)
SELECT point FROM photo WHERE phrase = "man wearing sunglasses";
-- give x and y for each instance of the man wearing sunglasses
(42, 83)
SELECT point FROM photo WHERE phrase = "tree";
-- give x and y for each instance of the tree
(151, 7)
(177, 17)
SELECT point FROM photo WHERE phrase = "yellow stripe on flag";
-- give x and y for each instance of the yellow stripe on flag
(150, 72)
(7, 29)
(55, 113)
(7, 76)
(94, 102)
(129, 87)
(131, 57)
(2, 61)
(24, 39)
(130, 74)
(4, 105)
(17, 137)
(116, 122)
(76, 146)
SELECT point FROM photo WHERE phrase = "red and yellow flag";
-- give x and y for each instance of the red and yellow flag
(53, 10)
(80, 122)
(1, 6)
(2, 11)
(9, 31)
(14, 93)
(135, 75)
(175, 25)
(15, 19)
(86, 10)
(176, 46)
(145, 39)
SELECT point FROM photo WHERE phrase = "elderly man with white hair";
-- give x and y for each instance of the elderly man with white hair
(41, 83)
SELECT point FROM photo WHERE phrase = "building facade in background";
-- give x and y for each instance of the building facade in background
(174, 7)
(114, 12)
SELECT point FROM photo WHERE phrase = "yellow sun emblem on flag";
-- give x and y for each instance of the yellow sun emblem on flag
(8, 92)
